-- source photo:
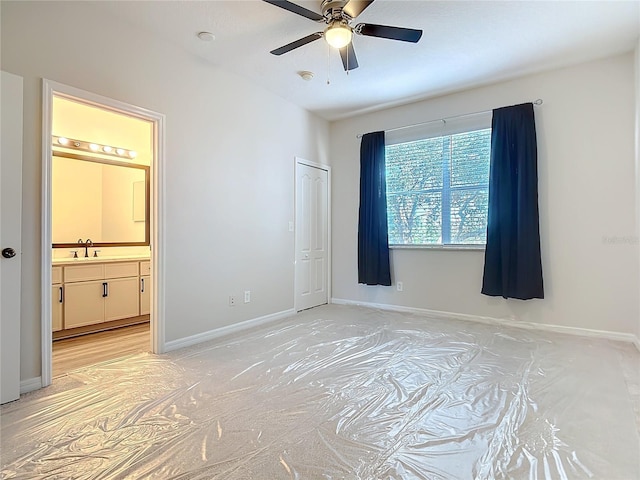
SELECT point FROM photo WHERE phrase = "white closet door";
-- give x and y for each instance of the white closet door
(312, 237)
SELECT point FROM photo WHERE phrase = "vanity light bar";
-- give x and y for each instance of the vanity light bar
(93, 147)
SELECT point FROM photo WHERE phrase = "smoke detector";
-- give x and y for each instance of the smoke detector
(206, 36)
(306, 75)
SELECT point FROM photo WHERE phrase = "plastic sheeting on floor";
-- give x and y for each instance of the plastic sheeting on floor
(339, 393)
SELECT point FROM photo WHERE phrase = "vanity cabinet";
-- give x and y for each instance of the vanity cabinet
(96, 293)
(145, 288)
(57, 298)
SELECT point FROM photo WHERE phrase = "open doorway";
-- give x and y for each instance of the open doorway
(101, 242)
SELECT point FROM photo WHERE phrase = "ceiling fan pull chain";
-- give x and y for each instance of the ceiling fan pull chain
(348, 64)
(328, 64)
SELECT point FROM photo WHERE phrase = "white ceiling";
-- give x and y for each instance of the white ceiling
(465, 43)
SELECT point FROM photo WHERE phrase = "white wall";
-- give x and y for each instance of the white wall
(230, 154)
(586, 194)
(637, 58)
(91, 124)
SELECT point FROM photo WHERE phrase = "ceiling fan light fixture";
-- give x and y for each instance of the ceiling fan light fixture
(338, 35)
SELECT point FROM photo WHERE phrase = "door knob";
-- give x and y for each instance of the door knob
(8, 252)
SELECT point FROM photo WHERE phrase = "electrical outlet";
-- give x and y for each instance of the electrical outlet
(232, 301)
(247, 296)
(399, 286)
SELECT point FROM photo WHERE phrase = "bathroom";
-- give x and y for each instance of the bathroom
(100, 231)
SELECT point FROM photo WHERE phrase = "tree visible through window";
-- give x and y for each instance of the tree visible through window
(438, 189)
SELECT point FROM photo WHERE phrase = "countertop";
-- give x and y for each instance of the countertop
(104, 259)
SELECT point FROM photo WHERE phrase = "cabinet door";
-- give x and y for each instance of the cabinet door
(145, 295)
(123, 299)
(56, 307)
(83, 304)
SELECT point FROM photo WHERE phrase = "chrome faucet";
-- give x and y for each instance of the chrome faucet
(86, 244)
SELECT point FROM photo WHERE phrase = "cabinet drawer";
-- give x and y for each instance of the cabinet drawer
(81, 273)
(145, 268)
(56, 275)
(121, 270)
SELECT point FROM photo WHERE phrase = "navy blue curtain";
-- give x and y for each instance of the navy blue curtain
(512, 264)
(373, 240)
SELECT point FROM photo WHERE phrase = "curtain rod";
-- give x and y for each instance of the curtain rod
(536, 102)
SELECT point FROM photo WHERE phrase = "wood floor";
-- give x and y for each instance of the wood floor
(74, 353)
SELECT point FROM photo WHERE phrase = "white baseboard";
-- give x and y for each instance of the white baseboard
(30, 384)
(582, 332)
(228, 330)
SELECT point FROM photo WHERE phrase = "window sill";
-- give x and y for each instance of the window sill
(473, 248)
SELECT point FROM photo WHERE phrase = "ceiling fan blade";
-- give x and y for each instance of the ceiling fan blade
(292, 7)
(297, 43)
(355, 7)
(392, 33)
(349, 59)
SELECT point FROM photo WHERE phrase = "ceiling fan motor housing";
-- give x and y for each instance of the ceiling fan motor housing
(333, 10)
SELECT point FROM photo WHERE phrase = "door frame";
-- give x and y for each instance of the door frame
(327, 168)
(157, 323)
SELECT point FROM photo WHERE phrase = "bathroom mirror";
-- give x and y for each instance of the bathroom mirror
(106, 201)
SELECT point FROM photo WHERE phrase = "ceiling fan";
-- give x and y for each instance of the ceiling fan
(338, 14)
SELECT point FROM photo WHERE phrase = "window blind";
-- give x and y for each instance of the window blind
(437, 189)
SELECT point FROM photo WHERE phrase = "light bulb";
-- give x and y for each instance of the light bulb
(93, 147)
(338, 35)
(63, 141)
(107, 149)
(120, 151)
(133, 154)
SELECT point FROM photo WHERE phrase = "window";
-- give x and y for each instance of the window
(438, 189)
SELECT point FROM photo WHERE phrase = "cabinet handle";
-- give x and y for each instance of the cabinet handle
(105, 291)
(61, 297)
(142, 282)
